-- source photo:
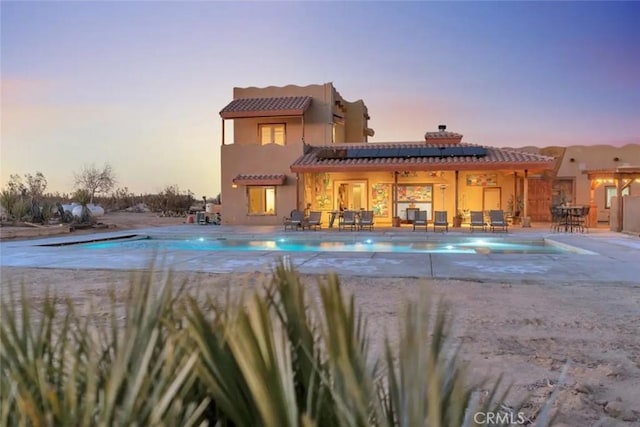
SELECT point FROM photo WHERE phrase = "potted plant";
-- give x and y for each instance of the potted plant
(457, 219)
(515, 208)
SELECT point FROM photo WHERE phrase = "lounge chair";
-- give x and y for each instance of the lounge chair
(441, 220)
(348, 219)
(294, 221)
(477, 220)
(420, 219)
(497, 220)
(366, 220)
(314, 220)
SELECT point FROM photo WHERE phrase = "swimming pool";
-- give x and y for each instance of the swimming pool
(452, 246)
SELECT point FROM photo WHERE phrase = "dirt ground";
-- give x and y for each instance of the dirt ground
(528, 332)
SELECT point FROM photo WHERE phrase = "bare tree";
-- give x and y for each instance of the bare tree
(95, 180)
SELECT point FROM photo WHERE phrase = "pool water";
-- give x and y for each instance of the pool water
(461, 246)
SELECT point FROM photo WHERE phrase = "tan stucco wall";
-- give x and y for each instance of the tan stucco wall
(244, 159)
(631, 212)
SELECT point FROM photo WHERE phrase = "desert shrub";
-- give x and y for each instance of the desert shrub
(8, 200)
(171, 201)
(274, 357)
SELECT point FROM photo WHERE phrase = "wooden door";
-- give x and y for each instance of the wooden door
(540, 192)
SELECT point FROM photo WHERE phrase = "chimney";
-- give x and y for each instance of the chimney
(442, 128)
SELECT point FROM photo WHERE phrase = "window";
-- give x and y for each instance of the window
(609, 192)
(271, 134)
(262, 200)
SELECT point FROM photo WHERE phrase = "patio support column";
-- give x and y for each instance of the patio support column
(593, 207)
(619, 187)
(525, 196)
(222, 131)
(298, 191)
(302, 117)
(395, 194)
(456, 184)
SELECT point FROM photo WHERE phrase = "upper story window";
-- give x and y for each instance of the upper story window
(272, 133)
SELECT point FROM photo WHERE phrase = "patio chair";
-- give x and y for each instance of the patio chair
(348, 219)
(314, 220)
(497, 220)
(557, 218)
(579, 218)
(420, 219)
(477, 220)
(366, 220)
(440, 220)
(201, 218)
(294, 221)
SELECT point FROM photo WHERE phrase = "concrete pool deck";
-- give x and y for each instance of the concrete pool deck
(601, 256)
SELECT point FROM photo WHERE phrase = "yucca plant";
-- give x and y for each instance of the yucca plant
(67, 370)
(275, 356)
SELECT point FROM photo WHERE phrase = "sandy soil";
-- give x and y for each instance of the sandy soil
(526, 331)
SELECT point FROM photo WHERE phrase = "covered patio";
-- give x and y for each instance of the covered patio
(622, 177)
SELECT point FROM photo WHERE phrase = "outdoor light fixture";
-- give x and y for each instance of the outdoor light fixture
(234, 185)
(616, 159)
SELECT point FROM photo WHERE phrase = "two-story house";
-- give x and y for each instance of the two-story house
(293, 146)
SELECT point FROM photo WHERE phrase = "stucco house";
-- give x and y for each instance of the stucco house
(299, 145)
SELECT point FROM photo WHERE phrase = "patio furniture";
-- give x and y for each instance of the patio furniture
(411, 214)
(332, 217)
(497, 220)
(314, 220)
(420, 220)
(477, 220)
(577, 217)
(440, 220)
(201, 218)
(557, 218)
(348, 219)
(294, 221)
(571, 217)
(366, 220)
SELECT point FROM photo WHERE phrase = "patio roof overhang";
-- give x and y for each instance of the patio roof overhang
(492, 158)
(622, 172)
(260, 179)
(285, 106)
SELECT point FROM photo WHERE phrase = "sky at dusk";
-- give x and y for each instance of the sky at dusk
(140, 84)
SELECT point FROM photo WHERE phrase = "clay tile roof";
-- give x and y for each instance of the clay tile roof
(495, 158)
(266, 107)
(260, 179)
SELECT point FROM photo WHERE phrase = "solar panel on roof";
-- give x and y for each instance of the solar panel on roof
(388, 152)
(354, 153)
(409, 152)
(430, 152)
(451, 151)
(475, 151)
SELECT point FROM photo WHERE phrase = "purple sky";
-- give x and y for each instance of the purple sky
(140, 84)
